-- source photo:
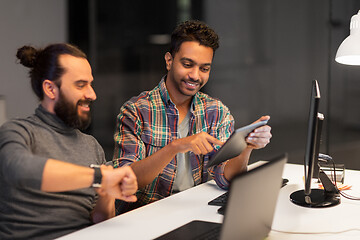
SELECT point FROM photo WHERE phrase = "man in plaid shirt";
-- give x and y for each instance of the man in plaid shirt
(167, 135)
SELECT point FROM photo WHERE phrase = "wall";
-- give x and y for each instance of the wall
(268, 57)
(35, 22)
(267, 60)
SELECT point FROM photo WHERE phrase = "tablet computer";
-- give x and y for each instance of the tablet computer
(234, 145)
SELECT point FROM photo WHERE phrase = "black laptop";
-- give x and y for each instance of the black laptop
(250, 207)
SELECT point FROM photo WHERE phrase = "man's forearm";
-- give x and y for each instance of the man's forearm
(61, 176)
(104, 209)
(237, 164)
(148, 168)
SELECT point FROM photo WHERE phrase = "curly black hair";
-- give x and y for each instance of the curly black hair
(193, 30)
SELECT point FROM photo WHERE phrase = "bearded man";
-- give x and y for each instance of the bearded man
(53, 177)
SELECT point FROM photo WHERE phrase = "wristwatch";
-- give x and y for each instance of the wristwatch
(97, 176)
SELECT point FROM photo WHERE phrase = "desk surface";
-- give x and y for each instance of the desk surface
(290, 221)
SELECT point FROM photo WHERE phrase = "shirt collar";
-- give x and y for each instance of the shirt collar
(164, 92)
(52, 120)
(166, 97)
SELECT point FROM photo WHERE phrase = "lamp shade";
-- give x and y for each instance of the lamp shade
(349, 50)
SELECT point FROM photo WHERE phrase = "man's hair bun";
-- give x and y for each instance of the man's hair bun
(27, 56)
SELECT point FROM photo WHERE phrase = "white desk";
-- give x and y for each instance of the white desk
(162, 216)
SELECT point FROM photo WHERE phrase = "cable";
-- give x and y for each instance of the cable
(338, 232)
(345, 195)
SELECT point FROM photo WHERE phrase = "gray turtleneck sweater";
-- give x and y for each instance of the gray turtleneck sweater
(26, 212)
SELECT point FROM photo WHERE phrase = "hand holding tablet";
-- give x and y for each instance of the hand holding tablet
(235, 144)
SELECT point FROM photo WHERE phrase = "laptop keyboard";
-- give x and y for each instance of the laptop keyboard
(222, 199)
(212, 234)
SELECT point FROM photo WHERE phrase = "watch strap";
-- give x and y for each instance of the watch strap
(97, 176)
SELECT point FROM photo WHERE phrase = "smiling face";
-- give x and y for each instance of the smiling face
(76, 92)
(188, 70)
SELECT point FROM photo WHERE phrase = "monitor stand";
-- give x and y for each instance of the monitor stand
(318, 198)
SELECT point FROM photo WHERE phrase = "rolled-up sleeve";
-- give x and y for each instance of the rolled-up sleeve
(224, 131)
(18, 166)
(128, 144)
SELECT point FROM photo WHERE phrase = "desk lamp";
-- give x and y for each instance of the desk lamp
(349, 50)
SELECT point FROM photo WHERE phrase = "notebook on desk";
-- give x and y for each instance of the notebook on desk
(250, 207)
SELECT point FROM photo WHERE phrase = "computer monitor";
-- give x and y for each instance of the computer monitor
(315, 198)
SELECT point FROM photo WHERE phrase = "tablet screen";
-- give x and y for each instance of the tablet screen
(234, 145)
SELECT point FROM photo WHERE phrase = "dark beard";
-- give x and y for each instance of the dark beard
(69, 113)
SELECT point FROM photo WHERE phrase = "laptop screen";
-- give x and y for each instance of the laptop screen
(250, 208)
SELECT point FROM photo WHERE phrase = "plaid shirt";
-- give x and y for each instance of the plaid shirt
(149, 122)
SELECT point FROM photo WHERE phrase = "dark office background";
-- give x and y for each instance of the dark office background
(270, 51)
